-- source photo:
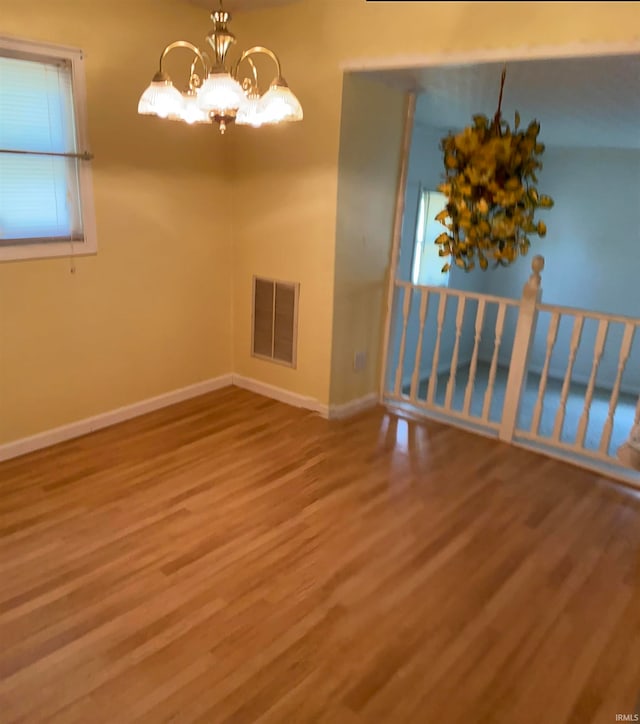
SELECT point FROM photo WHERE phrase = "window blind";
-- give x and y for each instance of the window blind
(39, 193)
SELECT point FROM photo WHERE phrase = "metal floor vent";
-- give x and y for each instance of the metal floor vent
(275, 320)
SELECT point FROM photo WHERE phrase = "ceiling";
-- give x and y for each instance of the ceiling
(236, 6)
(592, 102)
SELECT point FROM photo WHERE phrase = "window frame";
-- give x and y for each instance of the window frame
(88, 245)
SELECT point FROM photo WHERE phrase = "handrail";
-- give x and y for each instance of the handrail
(575, 311)
(448, 291)
(541, 307)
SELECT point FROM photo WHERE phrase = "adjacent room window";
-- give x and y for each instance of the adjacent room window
(427, 264)
(46, 197)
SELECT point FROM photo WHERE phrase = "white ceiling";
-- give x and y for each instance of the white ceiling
(236, 6)
(593, 102)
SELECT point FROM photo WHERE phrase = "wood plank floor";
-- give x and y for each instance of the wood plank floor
(232, 559)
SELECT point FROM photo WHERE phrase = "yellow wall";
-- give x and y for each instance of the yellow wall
(286, 179)
(370, 149)
(151, 312)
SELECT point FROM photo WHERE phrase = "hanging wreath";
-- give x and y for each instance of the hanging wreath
(490, 177)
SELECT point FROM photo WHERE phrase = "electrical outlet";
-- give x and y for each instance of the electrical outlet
(359, 361)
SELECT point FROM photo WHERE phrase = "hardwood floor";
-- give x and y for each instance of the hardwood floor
(232, 559)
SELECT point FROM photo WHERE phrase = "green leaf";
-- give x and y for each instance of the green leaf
(516, 123)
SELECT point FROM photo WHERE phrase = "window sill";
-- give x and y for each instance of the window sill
(46, 251)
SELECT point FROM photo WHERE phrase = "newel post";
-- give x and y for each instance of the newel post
(525, 331)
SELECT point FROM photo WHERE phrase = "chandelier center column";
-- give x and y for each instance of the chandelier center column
(220, 38)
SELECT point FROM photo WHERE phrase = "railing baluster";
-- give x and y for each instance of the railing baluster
(415, 380)
(406, 306)
(625, 349)
(488, 395)
(598, 349)
(474, 358)
(552, 335)
(433, 377)
(451, 384)
(576, 334)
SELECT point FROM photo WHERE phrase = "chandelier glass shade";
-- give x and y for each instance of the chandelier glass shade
(160, 99)
(279, 104)
(190, 111)
(221, 97)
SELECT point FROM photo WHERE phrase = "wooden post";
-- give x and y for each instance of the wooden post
(525, 331)
(410, 111)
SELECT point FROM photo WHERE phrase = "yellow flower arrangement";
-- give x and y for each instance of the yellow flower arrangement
(490, 177)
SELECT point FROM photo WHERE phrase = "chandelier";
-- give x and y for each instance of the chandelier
(214, 92)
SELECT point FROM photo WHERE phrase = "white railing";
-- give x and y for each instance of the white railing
(431, 380)
(575, 438)
(527, 372)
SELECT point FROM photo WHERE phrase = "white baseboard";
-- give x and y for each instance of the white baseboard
(106, 419)
(97, 422)
(278, 393)
(347, 409)
(331, 412)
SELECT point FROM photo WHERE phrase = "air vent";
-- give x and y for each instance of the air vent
(275, 320)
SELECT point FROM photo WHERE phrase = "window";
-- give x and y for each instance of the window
(427, 263)
(46, 197)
